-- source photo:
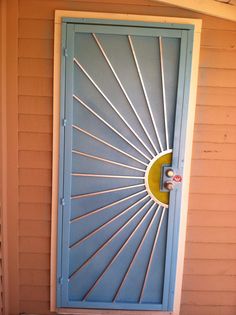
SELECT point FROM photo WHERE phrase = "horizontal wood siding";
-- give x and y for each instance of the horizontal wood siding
(209, 285)
(1, 267)
(2, 148)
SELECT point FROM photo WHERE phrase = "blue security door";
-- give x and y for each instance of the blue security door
(124, 103)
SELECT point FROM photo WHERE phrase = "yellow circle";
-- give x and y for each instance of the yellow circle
(153, 177)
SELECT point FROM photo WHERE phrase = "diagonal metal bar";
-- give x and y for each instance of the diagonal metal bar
(113, 107)
(108, 206)
(95, 157)
(117, 254)
(145, 92)
(110, 239)
(127, 97)
(151, 256)
(136, 254)
(109, 145)
(106, 176)
(77, 243)
(96, 193)
(112, 128)
(164, 92)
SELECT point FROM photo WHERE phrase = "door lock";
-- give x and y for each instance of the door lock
(169, 179)
(169, 185)
(170, 172)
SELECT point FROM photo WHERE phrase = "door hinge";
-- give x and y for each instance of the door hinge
(60, 280)
(64, 121)
(62, 202)
(65, 52)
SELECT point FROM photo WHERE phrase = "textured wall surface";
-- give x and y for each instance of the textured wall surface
(209, 285)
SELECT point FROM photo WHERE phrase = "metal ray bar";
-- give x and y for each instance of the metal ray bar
(106, 223)
(106, 176)
(108, 206)
(151, 256)
(127, 97)
(144, 91)
(107, 161)
(164, 92)
(105, 191)
(109, 240)
(117, 254)
(109, 145)
(113, 107)
(112, 128)
(136, 254)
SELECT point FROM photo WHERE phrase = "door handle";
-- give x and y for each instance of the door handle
(168, 184)
(169, 178)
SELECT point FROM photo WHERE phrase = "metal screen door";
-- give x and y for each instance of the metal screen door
(124, 102)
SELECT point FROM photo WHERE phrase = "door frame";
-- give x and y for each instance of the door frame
(196, 23)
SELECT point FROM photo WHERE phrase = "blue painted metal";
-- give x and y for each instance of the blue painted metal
(77, 251)
(61, 173)
(177, 164)
(181, 146)
(122, 30)
(67, 159)
(172, 26)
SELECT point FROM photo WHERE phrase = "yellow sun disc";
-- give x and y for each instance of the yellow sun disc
(153, 177)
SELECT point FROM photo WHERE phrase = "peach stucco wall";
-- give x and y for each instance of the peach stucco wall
(209, 284)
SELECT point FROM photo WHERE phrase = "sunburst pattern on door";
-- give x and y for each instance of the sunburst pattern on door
(124, 95)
